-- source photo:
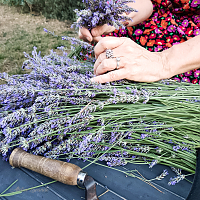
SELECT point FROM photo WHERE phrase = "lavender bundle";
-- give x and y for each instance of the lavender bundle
(57, 111)
(98, 12)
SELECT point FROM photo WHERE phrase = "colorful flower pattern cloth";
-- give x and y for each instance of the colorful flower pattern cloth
(172, 22)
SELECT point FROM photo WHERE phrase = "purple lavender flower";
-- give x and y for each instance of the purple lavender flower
(99, 12)
(176, 148)
(143, 136)
(161, 176)
(154, 162)
(175, 180)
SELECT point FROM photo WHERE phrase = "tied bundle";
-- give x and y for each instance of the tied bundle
(98, 12)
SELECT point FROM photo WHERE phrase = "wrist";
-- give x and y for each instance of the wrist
(167, 69)
(182, 57)
(162, 67)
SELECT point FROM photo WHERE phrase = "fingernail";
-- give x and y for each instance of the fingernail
(88, 38)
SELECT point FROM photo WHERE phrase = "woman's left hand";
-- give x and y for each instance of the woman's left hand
(136, 63)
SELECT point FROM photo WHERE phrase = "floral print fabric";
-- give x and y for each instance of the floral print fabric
(172, 22)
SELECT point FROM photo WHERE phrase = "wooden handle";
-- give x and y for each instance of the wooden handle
(64, 172)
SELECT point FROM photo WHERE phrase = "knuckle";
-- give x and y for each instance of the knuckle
(100, 80)
(129, 40)
(112, 76)
(125, 62)
(129, 48)
(103, 42)
(94, 32)
(105, 64)
(100, 58)
(98, 31)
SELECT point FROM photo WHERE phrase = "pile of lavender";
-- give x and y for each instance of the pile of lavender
(57, 111)
(98, 12)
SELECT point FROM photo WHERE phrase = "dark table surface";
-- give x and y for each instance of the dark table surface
(111, 184)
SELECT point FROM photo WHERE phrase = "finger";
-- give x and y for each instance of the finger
(101, 58)
(105, 66)
(108, 43)
(97, 39)
(99, 61)
(110, 76)
(102, 30)
(85, 34)
(109, 65)
(97, 31)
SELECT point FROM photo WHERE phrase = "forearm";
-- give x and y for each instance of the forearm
(182, 57)
(144, 8)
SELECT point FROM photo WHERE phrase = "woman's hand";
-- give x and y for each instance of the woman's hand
(95, 34)
(136, 63)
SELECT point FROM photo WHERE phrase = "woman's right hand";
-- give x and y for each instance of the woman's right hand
(95, 34)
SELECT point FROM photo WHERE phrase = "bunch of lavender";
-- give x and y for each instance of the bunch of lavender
(98, 12)
(118, 123)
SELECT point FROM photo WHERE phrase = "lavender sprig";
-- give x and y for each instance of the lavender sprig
(164, 173)
(75, 41)
(153, 163)
(161, 176)
(176, 179)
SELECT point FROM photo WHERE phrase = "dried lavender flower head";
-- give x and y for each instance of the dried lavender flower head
(98, 12)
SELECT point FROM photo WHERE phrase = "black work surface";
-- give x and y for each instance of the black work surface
(111, 184)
